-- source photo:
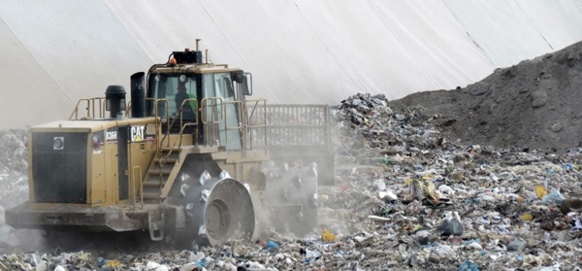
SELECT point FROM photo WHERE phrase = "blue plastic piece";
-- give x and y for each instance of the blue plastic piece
(468, 265)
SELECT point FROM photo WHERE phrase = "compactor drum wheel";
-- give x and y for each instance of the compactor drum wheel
(229, 212)
(217, 209)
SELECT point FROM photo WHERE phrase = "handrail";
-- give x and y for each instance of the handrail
(204, 103)
(181, 111)
(89, 108)
(156, 103)
(215, 103)
(257, 106)
(182, 128)
(243, 124)
(226, 127)
(128, 109)
(133, 180)
(191, 123)
(169, 125)
(160, 142)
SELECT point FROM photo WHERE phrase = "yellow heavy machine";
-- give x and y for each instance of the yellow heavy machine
(188, 156)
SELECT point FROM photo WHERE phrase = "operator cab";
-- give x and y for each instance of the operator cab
(203, 99)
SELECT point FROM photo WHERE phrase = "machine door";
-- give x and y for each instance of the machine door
(220, 85)
(122, 146)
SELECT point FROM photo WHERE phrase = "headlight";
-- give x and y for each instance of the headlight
(96, 142)
(58, 143)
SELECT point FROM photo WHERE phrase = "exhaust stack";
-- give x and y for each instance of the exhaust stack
(138, 95)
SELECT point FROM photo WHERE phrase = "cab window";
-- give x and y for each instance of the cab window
(167, 86)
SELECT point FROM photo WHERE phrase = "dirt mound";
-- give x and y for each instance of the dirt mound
(534, 104)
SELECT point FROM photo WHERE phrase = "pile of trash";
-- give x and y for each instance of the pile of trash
(442, 205)
(405, 198)
(13, 168)
(13, 181)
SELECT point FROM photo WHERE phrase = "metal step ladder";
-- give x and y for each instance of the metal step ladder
(164, 166)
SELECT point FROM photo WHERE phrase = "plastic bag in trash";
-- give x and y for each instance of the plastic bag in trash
(553, 198)
(451, 225)
(468, 265)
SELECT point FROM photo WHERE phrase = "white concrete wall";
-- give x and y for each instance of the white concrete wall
(299, 51)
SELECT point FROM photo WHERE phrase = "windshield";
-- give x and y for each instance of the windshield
(174, 88)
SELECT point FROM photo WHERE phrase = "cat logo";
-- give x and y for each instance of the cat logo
(137, 133)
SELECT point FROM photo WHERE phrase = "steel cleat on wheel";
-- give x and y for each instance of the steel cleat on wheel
(291, 193)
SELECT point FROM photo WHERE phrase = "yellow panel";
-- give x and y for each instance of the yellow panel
(97, 173)
(111, 191)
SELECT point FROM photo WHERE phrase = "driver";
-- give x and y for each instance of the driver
(188, 112)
